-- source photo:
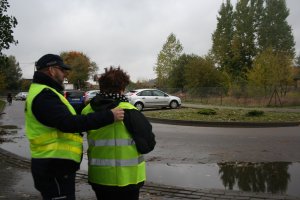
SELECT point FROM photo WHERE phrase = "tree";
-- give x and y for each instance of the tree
(202, 75)
(222, 37)
(93, 70)
(255, 26)
(165, 61)
(7, 23)
(297, 61)
(11, 72)
(176, 79)
(272, 70)
(25, 84)
(243, 46)
(82, 68)
(274, 31)
(2, 81)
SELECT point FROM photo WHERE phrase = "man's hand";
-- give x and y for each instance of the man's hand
(118, 114)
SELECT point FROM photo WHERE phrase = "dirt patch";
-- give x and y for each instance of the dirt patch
(8, 127)
(7, 130)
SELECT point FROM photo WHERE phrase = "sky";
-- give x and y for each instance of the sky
(125, 33)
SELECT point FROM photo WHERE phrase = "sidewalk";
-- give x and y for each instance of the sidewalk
(16, 183)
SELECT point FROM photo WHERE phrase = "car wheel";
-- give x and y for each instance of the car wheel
(173, 104)
(139, 106)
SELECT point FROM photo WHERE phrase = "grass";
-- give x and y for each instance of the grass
(2, 104)
(218, 115)
(223, 115)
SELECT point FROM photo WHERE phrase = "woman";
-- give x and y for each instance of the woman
(116, 166)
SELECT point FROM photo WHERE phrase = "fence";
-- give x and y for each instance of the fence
(239, 96)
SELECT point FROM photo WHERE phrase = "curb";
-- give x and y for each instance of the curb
(224, 124)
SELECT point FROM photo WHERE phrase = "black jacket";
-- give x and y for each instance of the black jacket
(50, 111)
(135, 122)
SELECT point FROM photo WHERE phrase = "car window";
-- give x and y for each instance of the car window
(145, 93)
(158, 93)
(75, 94)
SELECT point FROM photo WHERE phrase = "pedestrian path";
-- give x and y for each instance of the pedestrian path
(273, 109)
(16, 183)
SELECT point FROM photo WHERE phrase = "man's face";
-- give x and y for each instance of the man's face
(58, 74)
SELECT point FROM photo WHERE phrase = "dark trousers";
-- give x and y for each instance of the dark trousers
(55, 187)
(103, 194)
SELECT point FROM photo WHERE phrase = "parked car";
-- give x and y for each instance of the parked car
(90, 94)
(76, 99)
(21, 96)
(150, 98)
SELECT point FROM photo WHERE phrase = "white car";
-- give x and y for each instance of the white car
(90, 94)
(150, 98)
(21, 96)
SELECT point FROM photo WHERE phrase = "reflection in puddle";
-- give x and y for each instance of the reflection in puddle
(256, 177)
(273, 177)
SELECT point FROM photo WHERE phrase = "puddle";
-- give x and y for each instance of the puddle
(273, 177)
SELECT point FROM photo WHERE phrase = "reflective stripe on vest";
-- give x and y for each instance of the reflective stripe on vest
(116, 163)
(57, 146)
(55, 135)
(111, 142)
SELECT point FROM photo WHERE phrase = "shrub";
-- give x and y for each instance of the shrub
(207, 111)
(255, 113)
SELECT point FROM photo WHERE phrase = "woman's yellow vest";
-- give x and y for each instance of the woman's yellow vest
(113, 157)
(49, 142)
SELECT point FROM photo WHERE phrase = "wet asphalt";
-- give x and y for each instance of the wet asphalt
(16, 183)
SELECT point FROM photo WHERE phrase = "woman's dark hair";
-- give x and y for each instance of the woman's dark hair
(113, 80)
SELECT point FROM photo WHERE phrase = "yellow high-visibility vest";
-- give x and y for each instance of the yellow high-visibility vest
(113, 157)
(49, 142)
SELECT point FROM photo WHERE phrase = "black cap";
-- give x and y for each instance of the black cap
(49, 60)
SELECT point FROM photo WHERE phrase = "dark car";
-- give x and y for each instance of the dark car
(76, 99)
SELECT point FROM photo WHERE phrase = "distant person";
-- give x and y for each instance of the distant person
(53, 130)
(9, 99)
(116, 167)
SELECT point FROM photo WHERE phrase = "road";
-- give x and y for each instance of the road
(189, 156)
(193, 145)
(184, 144)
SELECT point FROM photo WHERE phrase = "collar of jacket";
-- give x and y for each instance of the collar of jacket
(41, 78)
(101, 103)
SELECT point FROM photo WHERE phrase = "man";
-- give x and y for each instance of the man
(53, 130)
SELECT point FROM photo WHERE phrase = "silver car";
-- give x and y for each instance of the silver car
(90, 94)
(21, 96)
(150, 98)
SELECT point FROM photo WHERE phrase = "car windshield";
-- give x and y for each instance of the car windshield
(131, 92)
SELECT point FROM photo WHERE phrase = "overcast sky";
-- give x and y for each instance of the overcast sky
(126, 33)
